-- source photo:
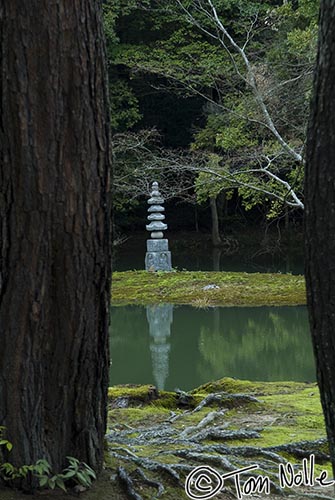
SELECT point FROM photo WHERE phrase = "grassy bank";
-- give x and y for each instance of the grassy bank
(189, 287)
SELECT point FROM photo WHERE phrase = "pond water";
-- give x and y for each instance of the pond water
(183, 347)
(199, 255)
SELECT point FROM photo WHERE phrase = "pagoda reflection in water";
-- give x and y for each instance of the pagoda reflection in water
(160, 318)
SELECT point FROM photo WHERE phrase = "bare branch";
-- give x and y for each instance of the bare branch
(290, 191)
(253, 84)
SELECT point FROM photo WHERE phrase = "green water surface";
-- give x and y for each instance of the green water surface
(183, 347)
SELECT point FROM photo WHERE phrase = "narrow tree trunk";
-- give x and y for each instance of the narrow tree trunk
(320, 218)
(216, 254)
(216, 240)
(55, 231)
(196, 219)
(225, 208)
(287, 218)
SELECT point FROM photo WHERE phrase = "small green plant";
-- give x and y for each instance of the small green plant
(76, 471)
(9, 472)
(79, 472)
(4, 442)
(42, 471)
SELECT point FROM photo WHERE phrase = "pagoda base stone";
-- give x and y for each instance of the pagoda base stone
(158, 257)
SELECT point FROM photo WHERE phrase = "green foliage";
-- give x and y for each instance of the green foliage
(253, 192)
(110, 15)
(112, 11)
(76, 471)
(205, 138)
(234, 137)
(156, 45)
(302, 41)
(185, 58)
(124, 106)
(9, 473)
(80, 472)
(218, 178)
(3, 441)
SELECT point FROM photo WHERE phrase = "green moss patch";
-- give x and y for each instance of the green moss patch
(234, 386)
(131, 395)
(254, 289)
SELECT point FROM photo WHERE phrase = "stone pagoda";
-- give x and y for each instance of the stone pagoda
(158, 257)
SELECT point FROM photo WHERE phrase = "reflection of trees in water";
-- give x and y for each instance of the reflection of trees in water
(130, 355)
(125, 321)
(268, 344)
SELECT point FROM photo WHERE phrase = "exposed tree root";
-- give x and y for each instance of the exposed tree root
(227, 398)
(149, 464)
(217, 434)
(177, 447)
(303, 449)
(150, 482)
(209, 418)
(128, 484)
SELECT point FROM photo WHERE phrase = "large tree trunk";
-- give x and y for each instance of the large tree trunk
(55, 230)
(320, 218)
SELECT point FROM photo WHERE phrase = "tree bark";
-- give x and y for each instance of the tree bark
(55, 231)
(320, 218)
(216, 254)
(196, 219)
(216, 239)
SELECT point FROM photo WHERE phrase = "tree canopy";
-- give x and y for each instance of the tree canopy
(243, 69)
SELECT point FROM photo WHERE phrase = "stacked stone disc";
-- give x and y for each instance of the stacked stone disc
(158, 257)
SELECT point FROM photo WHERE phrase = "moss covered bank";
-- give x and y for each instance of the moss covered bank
(207, 288)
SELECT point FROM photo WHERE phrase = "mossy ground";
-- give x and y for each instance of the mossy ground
(187, 287)
(290, 411)
(285, 412)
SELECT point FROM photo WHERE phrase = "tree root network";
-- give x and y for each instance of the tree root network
(165, 453)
